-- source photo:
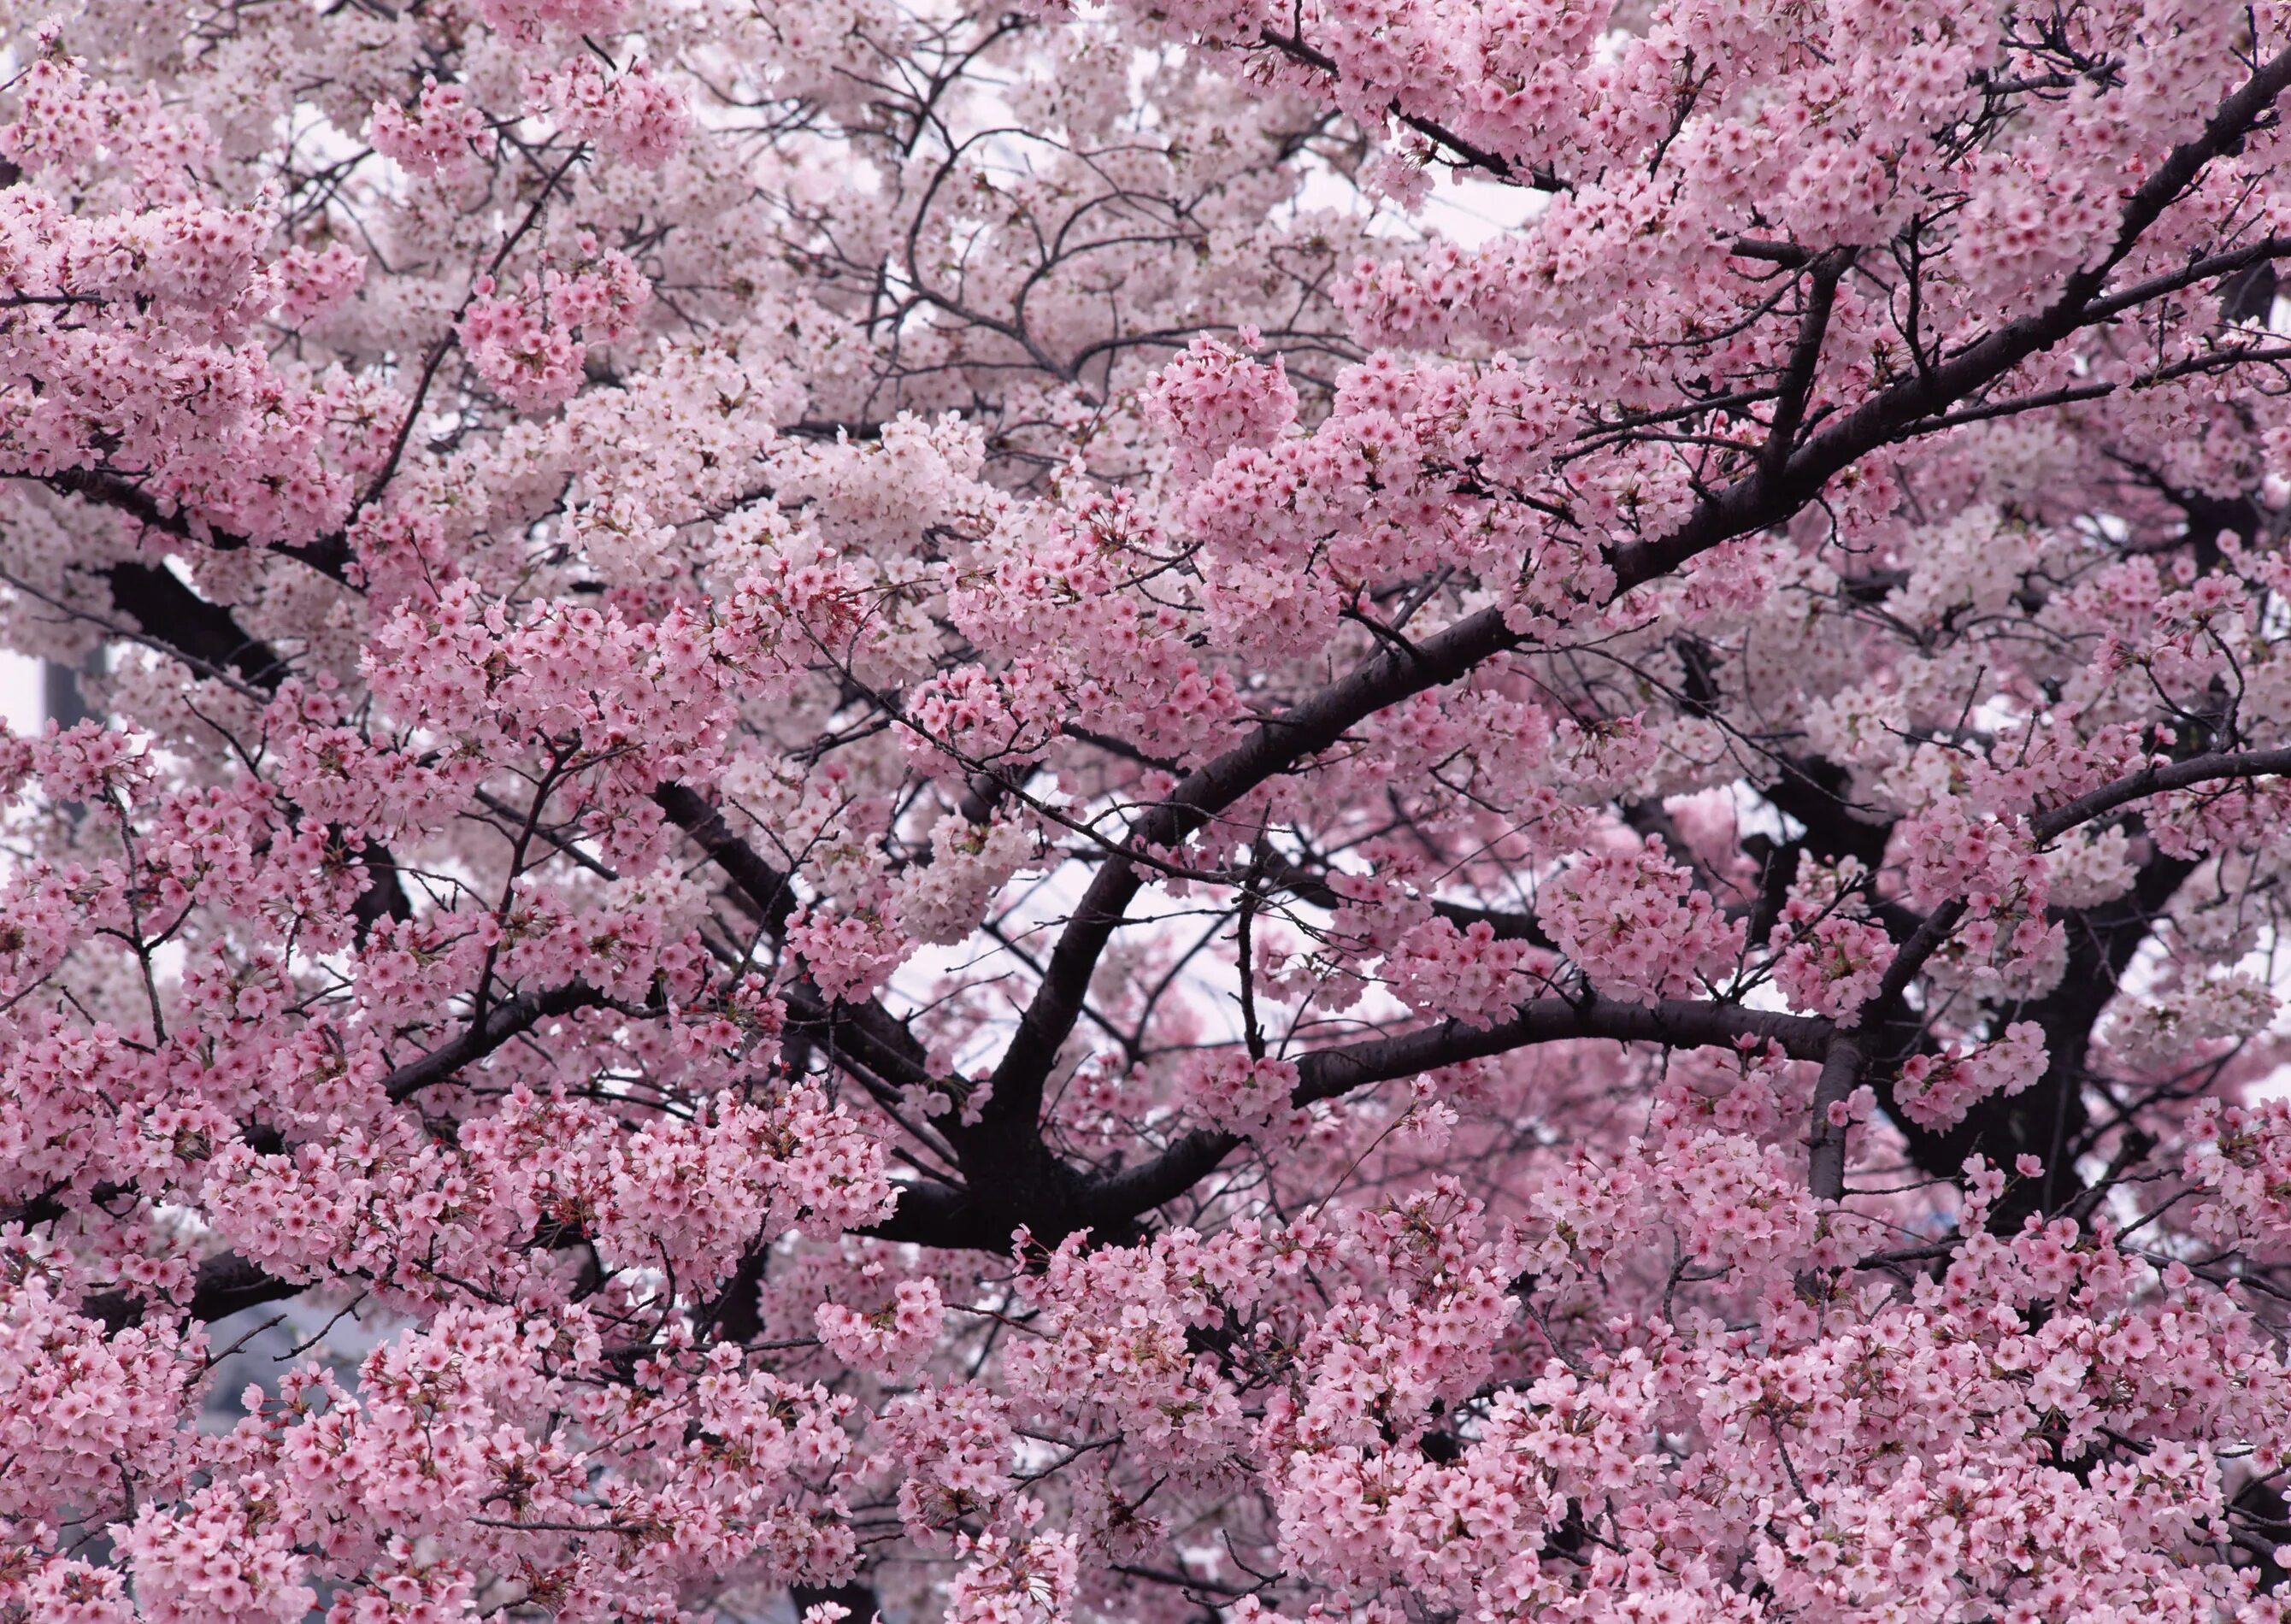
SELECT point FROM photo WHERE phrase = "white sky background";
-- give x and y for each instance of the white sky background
(19, 693)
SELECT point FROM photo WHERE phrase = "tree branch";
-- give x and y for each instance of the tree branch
(329, 555)
(1763, 498)
(2216, 768)
(1327, 1074)
(224, 1285)
(505, 1020)
(765, 889)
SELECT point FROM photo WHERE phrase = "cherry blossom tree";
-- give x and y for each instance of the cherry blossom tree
(1261, 809)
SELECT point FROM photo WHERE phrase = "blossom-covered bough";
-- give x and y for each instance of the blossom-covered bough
(902, 807)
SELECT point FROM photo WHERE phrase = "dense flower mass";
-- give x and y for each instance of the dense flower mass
(1287, 810)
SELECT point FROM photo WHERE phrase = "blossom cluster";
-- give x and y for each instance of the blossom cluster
(1349, 809)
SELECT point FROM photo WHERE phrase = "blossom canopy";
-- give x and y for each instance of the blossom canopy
(1277, 810)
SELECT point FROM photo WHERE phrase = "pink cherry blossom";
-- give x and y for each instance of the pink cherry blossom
(1357, 810)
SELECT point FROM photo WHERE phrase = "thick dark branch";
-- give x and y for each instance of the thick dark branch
(1841, 1074)
(224, 1285)
(330, 555)
(1312, 726)
(2217, 768)
(1328, 1074)
(1674, 1024)
(765, 889)
(1506, 925)
(508, 1019)
(869, 1033)
(209, 638)
(1804, 360)
(171, 613)
(1813, 792)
